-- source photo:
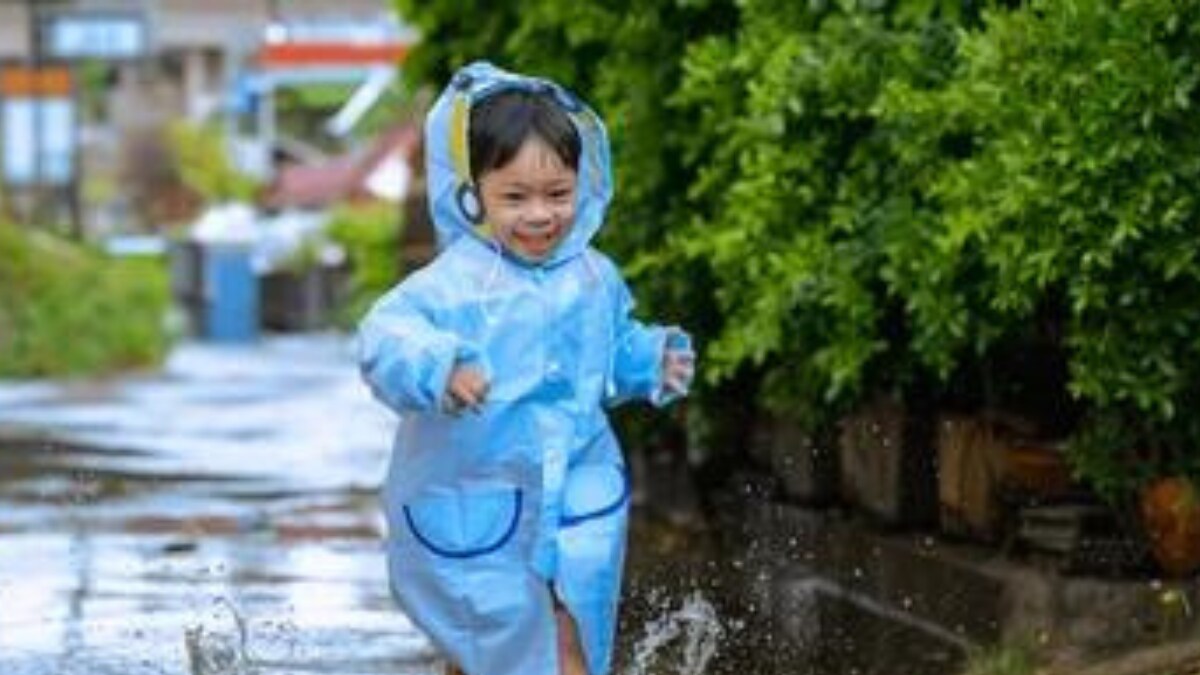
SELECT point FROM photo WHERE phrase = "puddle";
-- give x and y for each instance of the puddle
(166, 534)
(228, 502)
(690, 610)
(289, 412)
(224, 640)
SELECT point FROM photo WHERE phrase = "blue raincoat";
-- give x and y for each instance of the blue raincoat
(491, 512)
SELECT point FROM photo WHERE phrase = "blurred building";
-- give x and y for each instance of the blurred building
(138, 64)
(178, 54)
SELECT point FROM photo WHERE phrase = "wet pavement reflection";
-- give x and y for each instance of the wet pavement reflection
(218, 516)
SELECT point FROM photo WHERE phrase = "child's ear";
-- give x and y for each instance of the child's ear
(470, 202)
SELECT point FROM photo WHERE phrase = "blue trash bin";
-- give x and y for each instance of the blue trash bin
(231, 293)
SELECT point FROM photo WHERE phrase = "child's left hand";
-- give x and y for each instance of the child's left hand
(678, 365)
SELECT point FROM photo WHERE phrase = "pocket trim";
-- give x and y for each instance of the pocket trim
(571, 521)
(518, 498)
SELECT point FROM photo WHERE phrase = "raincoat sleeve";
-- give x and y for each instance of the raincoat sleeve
(404, 352)
(637, 361)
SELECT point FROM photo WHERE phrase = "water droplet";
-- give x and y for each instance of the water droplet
(217, 646)
(684, 639)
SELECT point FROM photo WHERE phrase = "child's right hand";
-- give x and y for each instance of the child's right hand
(467, 388)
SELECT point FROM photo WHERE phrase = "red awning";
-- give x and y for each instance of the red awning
(291, 54)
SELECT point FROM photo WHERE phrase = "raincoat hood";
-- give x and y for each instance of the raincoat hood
(454, 201)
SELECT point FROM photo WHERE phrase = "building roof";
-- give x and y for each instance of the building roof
(344, 178)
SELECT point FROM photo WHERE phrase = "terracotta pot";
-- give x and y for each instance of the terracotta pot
(1170, 509)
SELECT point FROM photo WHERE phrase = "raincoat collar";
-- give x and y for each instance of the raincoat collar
(454, 201)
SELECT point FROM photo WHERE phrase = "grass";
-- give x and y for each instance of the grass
(1001, 659)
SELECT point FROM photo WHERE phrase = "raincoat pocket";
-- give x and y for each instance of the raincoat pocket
(465, 524)
(593, 491)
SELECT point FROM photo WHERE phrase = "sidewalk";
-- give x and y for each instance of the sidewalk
(218, 516)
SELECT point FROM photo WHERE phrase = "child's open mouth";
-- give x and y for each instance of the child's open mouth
(536, 242)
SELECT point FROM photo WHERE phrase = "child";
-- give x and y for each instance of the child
(507, 496)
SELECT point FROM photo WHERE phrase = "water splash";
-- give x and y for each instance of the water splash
(218, 646)
(681, 642)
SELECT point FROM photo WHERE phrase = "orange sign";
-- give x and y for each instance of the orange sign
(331, 54)
(23, 82)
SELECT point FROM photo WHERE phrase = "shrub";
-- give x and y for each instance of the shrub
(370, 234)
(1069, 201)
(66, 310)
(204, 165)
(798, 193)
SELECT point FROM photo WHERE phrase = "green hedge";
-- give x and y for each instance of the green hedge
(1069, 212)
(979, 205)
(66, 310)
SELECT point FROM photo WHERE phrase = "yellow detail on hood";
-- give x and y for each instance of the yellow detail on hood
(458, 137)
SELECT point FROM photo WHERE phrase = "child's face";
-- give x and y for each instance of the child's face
(530, 202)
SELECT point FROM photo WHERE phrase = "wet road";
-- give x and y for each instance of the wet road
(218, 516)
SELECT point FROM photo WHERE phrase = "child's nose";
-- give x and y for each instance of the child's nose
(539, 211)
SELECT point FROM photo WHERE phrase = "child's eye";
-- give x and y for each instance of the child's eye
(512, 196)
(560, 194)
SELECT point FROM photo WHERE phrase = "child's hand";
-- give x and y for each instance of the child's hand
(467, 388)
(679, 364)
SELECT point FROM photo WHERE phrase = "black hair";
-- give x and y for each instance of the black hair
(502, 122)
